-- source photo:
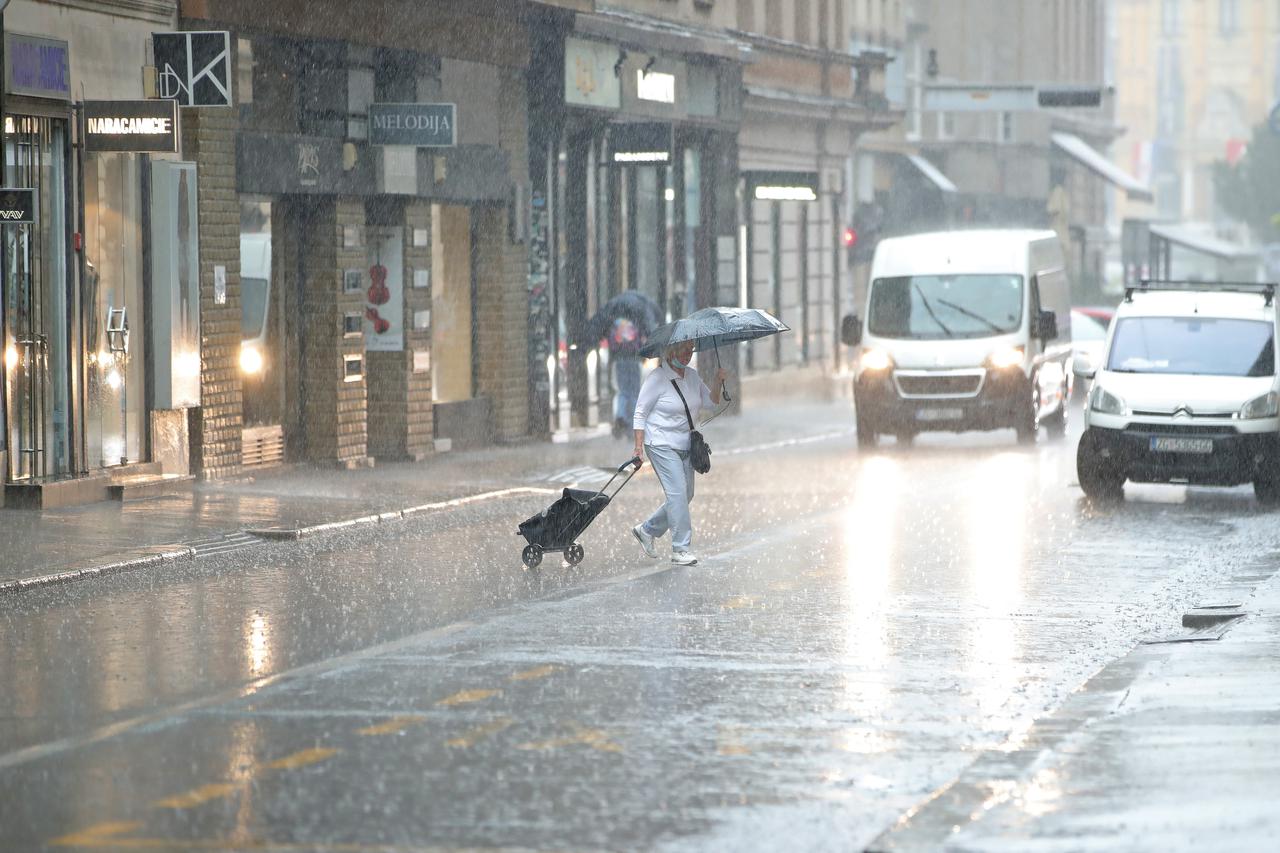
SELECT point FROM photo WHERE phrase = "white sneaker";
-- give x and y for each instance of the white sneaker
(684, 558)
(645, 540)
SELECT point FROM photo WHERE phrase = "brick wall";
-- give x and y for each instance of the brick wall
(326, 421)
(208, 138)
(502, 275)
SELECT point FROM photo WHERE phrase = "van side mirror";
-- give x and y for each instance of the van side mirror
(1083, 367)
(851, 330)
(1047, 327)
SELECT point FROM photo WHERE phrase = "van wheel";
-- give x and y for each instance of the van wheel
(905, 438)
(1100, 482)
(1267, 491)
(1027, 423)
(866, 435)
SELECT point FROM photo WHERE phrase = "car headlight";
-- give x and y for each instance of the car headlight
(1104, 402)
(1266, 406)
(250, 359)
(876, 359)
(1003, 359)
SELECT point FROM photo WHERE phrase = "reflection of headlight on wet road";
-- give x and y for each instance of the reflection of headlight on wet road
(113, 380)
(250, 359)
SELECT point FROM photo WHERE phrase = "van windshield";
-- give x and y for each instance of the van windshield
(1193, 345)
(945, 306)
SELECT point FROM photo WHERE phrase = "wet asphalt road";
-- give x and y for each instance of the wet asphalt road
(862, 625)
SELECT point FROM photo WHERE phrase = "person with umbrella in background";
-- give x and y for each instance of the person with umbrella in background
(625, 322)
(672, 396)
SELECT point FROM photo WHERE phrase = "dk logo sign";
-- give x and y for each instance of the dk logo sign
(194, 68)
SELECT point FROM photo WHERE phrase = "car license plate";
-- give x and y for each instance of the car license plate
(1181, 445)
(939, 414)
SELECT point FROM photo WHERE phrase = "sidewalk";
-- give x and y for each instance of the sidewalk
(1173, 747)
(58, 545)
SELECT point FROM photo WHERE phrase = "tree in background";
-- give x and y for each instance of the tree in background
(1250, 190)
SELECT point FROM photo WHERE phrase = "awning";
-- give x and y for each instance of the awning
(932, 173)
(1188, 238)
(1085, 154)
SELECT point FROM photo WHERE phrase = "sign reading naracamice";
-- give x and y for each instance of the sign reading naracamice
(420, 125)
(131, 126)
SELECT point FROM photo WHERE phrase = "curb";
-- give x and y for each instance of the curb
(175, 555)
(271, 534)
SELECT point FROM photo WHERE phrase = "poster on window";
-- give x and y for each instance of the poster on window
(384, 292)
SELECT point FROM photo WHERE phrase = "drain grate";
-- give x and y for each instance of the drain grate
(225, 543)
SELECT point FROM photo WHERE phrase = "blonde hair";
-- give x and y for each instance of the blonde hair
(670, 350)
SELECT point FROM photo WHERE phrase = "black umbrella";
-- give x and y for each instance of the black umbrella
(708, 328)
(631, 305)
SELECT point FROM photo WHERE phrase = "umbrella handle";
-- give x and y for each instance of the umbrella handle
(724, 387)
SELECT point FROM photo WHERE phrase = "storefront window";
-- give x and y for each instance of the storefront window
(113, 310)
(452, 304)
(35, 292)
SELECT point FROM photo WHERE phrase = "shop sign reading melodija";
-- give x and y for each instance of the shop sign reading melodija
(131, 126)
(420, 125)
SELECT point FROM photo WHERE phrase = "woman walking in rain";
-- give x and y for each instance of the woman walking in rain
(662, 429)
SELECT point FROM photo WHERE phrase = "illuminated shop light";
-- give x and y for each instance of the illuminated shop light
(786, 194)
(642, 156)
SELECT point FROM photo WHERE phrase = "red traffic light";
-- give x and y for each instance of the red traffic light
(849, 238)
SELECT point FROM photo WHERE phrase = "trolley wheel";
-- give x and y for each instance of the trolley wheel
(531, 556)
(573, 554)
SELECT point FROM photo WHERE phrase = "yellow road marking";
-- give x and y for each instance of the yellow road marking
(594, 738)
(197, 796)
(466, 697)
(740, 602)
(473, 736)
(252, 844)
(302, 759)
(99, 833)
(729, 744)
(393, 725)
(537, 672)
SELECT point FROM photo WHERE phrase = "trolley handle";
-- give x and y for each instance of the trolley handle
(634, 461)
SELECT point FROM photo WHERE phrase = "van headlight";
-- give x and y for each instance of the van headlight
(1266, 406)
(1104, 402)
(875, 359)
(1002, 359)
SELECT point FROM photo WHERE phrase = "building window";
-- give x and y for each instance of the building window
(1228, 17)
(946, 125)
(1170, 17)
(773, 18)
(1004, 128)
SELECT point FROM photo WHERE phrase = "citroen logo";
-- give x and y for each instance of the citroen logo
(1183, 411)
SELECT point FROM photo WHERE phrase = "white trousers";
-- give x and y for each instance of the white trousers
(675, 473)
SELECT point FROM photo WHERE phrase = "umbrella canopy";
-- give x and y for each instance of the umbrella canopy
(626, 320)
(708, 328)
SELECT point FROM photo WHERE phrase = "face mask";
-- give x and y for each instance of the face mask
(679, 365)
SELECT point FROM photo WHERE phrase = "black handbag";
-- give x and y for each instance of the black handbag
(699, 450)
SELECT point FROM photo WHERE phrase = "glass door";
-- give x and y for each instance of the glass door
(37, 343)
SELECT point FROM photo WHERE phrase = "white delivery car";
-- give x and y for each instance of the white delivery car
(1187, 391)
(961, 333)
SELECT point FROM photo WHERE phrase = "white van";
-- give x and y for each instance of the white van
(1187, 391)
(960, 332)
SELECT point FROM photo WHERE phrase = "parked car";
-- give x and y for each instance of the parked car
(961, 332)
(1088, 340)
(1187, 391)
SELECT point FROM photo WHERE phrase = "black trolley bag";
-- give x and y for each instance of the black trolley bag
(558, 527)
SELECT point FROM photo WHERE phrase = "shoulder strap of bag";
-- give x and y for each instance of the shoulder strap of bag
(676, 386)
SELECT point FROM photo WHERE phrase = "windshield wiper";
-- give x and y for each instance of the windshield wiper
(925, 301)
(968, 313)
